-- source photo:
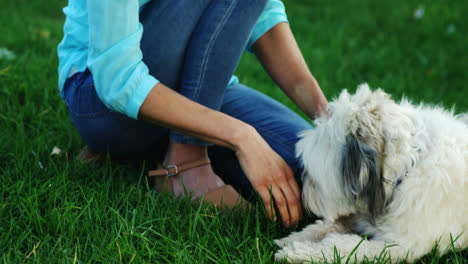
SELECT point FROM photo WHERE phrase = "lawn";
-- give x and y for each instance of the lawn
(56, 210)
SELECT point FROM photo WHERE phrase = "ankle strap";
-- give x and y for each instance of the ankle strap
(173, 170)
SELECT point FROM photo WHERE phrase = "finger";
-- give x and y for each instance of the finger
(267, 202)
(282, 205)
(294, 186)
(296, 191)
(286, 174)
(293, 203)
(292, 192)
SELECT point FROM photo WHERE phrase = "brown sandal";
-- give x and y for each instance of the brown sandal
(222, 196)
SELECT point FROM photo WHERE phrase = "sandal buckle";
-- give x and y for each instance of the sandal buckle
(169, 174)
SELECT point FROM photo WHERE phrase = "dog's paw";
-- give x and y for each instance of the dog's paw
(285, 241)
(312, 233)
(281, 242)
(300, 252)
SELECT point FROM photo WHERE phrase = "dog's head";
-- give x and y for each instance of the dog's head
(356, 156)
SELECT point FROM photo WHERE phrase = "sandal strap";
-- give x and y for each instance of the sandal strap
(173, 170)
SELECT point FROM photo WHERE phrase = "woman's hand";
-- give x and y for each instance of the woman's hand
(265, 169)
(270, 176)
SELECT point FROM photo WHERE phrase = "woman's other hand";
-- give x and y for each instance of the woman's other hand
(281, 57)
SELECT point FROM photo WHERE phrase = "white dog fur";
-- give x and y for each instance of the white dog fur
(391, 176)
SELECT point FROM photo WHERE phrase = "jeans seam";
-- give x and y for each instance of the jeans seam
(210, 47)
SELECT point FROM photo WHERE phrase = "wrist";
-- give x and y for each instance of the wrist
(308, 95)
(241, 134)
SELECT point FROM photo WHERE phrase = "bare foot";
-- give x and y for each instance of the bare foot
(198, 180)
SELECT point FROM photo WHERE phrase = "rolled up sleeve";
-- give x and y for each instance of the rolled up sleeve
(121, 78)
(273, 14)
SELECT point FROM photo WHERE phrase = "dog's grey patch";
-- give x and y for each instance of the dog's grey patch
(398, 182)
(362, 175)
(348, 222)
(356, 224)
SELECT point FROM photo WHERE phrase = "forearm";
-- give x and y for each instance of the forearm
(167, 108)
(279, 54)
(268, 173)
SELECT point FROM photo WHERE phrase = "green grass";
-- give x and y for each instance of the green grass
(55, 210)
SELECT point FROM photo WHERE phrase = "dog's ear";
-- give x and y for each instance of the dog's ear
(362, 175)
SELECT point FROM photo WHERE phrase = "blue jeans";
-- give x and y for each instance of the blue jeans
(192, 47)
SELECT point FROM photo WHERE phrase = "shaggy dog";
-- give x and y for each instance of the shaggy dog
(390, 181)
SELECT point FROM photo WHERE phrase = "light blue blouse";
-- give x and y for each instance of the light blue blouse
(104, 36)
